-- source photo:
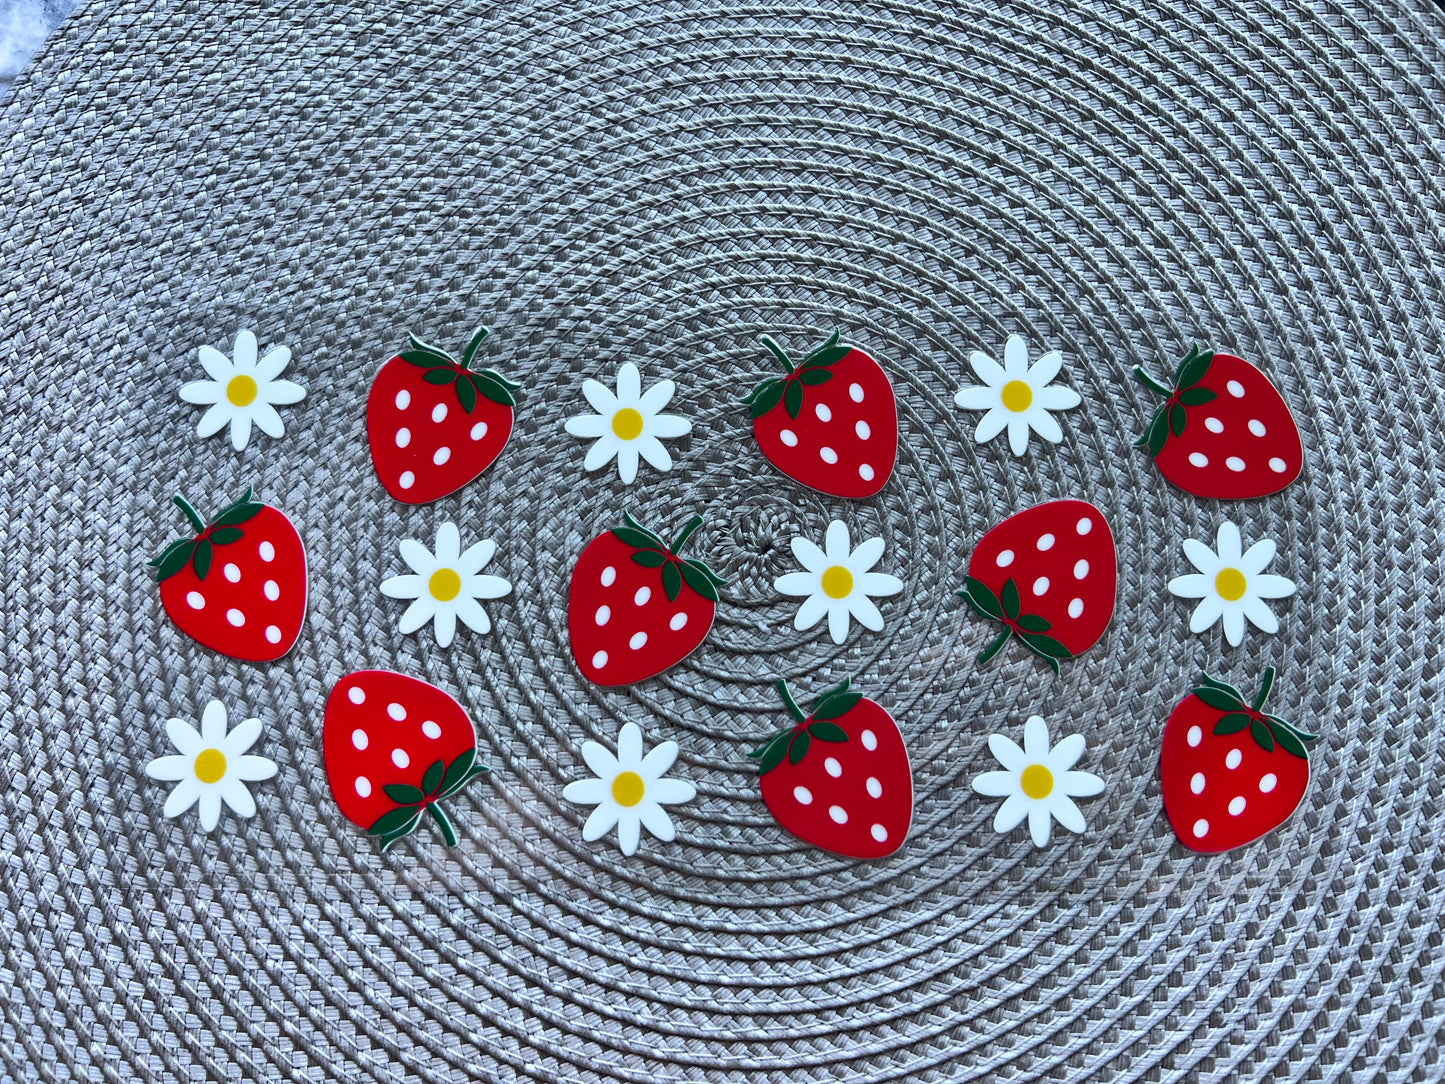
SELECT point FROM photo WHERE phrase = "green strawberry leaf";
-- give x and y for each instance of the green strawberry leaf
(425, 357)
(773, 753)
(1196, 396)
(224, 536)
(440, 375)
(654, 539)
(1280, 724)
(476, 771)
(825, 357)
(770, 396)
(1218, 699)
(1193, 369)
(831, 342)
(631, 536)
(433, 777)
(1158, 432)
(238, 513)
(457, 771)
(1010, 599)
(496, 387)
(1034, 623)
(813, 377)
(404, 793)
(828, 732)
(799, 746)
(467, 393)
(1260, 733)
(1232, 723)
(177, 557)
(1046, 646)
(793, 398)
(397, 821)
(984, 600)
(834, 706)
(699, 578)
(1176, 420)
(1291, 744)
(672, 581)
(1222, 686)
(405, 830)
(649, 559)
(202, 559)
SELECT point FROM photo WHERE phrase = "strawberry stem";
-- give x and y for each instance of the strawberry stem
(777, 352)
(686, 533)
(1151, 383)
(791, 704)
(1264, 689)
(443, 822)
(191, 514)
(476, 344)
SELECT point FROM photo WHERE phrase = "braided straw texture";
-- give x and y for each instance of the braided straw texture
(662, 181)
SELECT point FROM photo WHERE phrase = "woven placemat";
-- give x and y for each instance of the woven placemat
(661, 182)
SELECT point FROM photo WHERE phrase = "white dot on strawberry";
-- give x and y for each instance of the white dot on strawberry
(679, 619)
(875, 788)
(1081, 569)
(828, 455)
(1004, 558)
(599, 660)
(1195, 735)
(1214, 425)
(1267, 783)
(803, 795)
(236, 617)
(1046, 542)
(1236, 389)
(1198, 459)
(838, 813)
(865, 471)
(1076, 607)
(1256, 427)
(855, 392)
(609, 574)
(363, 786)
(604, 614)
(396, 711)
(1084, 526)
(359, 738)
(879, 833)
(272, 590)
(273, 634)
(400, 758)
(479, 430)
(832, 767)
(1233, 759)
(403, 437)
(643, 594)
(1236, 805)
(1201, 828)
(195, 600)
(232, 573)
(267, 552)
(439, 413)
(403, 399)
(1278, 465)
(441, 455)
(1041, 585)
(1234, 463)
(788, 437)
(355, 695)
(869, 740)
(1196, 784)
(861, 428)
(407, 479)
(637, 641)
(824, 412)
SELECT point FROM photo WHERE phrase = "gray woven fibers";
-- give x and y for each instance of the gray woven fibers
(661, 182)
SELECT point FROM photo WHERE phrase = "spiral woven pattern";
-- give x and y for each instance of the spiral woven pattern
(663, 181)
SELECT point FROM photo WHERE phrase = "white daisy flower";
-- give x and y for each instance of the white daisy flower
(1017, 395)
(243, 391)
(628, 425)
(1231, 585)
(629, 790)
(211, 767)
(1037, 782)
(838, 582)
(446, 585)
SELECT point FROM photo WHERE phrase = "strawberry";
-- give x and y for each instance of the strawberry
(831, 422)
(394, 748)
(1224, 430)
(1049, 574)
(1230, 771)
(238, 585)
(435, 423)
(635, 607)
(839, 778)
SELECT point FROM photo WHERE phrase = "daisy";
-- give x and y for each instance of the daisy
(446, 586)
(1231, 585)
(629, 790)
(211, 766)
(1017, 396)
(1037, 782)
(628, 425)
(243, 391)
(838, 582)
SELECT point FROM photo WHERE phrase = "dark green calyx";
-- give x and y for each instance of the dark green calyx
(198, 550)
(439, 781)
(471, 384)
(1172, 418)
(1267, 730)
(814, 369)
(794, 742)
(653, 552)
(1007, 608)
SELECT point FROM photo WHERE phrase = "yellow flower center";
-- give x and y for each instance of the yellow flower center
(444, 584)
(1017, 396)
(1230, 584)
(210, 765)
(1038, 781)
(837, 582)
(627, 423)
(241, 390)
(628, 788)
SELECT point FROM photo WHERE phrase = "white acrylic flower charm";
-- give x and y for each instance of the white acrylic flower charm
(446, 585)
(838, 582)
(629, 790)
(1038, 782)
(212, 766)
(1231, 585)
(1017, 396)
(628, 425)
(243, 390)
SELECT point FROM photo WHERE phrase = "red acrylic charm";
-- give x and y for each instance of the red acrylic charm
(394, 748)
(1224, 430)
(831, 422)
(1049, 574)
(840, 778)
(1231, 773)
(238, 585)
(435, 423)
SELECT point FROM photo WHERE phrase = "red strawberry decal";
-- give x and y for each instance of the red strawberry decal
(238, 585)
(831, 422)
(839, 778)
(435, 423)
(394, 748)
(635, 607)
(1049, 574)
(1224, 430)
(1231, 772)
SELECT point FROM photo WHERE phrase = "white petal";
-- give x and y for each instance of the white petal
(1257, 557)
(629, 385)
(1040, 824)
(1007, 753)
(809, 555)
(1066, 754)
(1271, 586)
(798, 583)
(267, 420)
(1044, 370)
(987, 370)
(1234, 625)
(202, 392)
(403, 587)
(418, 557)
(672, 791)
(449, 544)
(235, 794)
(244, 355)
(169, 769)
(601, 453)
(210, 808)
(865, 556)
(655, 819)
(626, 463)
(601, 821)
(811, 611)
(629, 747)
(253, 768)
(879, 583)
(1260, 615)
(1036, 739)
(417, 614)
(862, 607)
(476, 557)
(1044, 425)
(1228, 544)
(240, 430)
(601, 399)
(1011, 814)
(996, 784)
(218, 367)
(1201, 557)
(182, 797)
(184, 737)
(655, 398)
(213, 420)
(651, 449)
(837, 620)
(991, 425)
(629, 831)
(446, 624)
(1018, 434)
(1016, 357)
(668, 426)
(472, 615)
(486, 586)
(976, 398)
(282, 392)
(600, 759)
(1067, 813)
(1191, 586)
(586, 791)
(213, 723)
(1206, 613)
(835, 543)
(656, 763)
(1057, 398)
(1081, 784)
(241, 738)
(272, 365)
(588, 425)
